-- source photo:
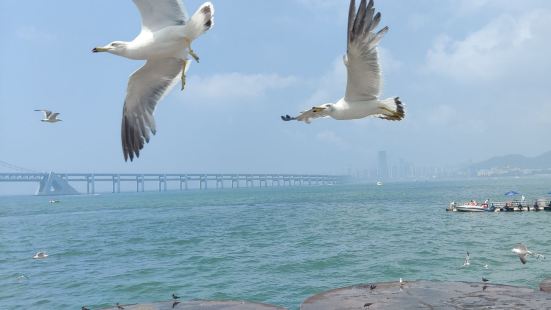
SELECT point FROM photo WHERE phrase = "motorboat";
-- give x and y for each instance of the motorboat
(472, 206)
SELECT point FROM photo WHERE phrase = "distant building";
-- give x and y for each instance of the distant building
(382, 167)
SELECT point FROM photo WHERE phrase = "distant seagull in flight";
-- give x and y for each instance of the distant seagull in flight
(165, 42)
(364, 74)
(49, 116)
(522, 251)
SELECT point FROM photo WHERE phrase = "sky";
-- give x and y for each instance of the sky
(474, 75)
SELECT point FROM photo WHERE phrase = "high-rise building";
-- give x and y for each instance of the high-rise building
(382, 167)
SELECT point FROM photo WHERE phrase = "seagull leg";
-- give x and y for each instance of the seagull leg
(184, 65)
(192, 53)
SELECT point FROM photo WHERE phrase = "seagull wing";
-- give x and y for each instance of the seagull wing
(523, 258)
(158, 14)
(46, 113)
(362, 58)
(53, 115)
(145, 88)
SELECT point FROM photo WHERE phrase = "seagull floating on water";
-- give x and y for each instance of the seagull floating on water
(467, 261)
(40, 255)
(364, 74)
(165, 42)
(49, 116)
(485, 280)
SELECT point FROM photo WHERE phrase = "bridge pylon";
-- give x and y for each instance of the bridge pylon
(52, 185)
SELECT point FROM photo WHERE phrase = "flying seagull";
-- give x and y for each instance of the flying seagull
(522, 251)
(364, 74)
(165, 42)
(49, 116)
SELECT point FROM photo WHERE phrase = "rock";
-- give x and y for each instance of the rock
(429, 295)
(545, 286)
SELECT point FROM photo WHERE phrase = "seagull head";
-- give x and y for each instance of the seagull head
(328, 107)
(116, 47)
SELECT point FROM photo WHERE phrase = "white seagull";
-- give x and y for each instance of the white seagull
(364, 74)
(165, 42)
(522, 251)
(40, 255)
(467, 261)
(49, 116)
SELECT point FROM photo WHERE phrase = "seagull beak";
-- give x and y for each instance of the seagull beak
(99, 50)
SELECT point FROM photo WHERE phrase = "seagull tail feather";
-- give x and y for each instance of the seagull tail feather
(392, 109)
(201, 21)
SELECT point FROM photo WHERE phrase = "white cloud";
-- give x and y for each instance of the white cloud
(504, 5)
(324, 4)
(507, 47)
(237, 86)
(331, 86)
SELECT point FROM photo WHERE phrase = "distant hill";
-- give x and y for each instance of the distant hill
(542, 161)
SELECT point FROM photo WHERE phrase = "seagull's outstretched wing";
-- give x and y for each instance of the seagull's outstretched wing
(46, 113)
(145, 88)
(158, 14)
(362, 58)
(54, 115)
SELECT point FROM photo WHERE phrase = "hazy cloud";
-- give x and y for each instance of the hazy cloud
(509, 46)
(32, 33)
(237, 86)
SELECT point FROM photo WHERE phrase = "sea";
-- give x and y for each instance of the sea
(277, 245)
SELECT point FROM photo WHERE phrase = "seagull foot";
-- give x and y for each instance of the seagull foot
(192, 53)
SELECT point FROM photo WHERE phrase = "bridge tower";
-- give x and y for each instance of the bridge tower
(52, 184)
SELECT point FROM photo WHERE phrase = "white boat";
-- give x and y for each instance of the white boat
(469, 207)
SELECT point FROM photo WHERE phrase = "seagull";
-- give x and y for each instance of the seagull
(522, 251)
(174, 296)
(165, 43)
(372, 287)
(467, 260)
(119, 306)
(364, 74)
(49, 116)
(485, 280)
(40, 255)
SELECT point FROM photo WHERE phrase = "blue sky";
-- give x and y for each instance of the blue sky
(473, 73)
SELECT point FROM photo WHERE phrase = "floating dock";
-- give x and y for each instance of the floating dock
(501, 206)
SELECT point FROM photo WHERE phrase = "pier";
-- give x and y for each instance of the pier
(61, 183)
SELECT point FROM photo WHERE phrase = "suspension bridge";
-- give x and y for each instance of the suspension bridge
(51, 183)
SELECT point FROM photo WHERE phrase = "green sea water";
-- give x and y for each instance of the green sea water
(273, 245)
